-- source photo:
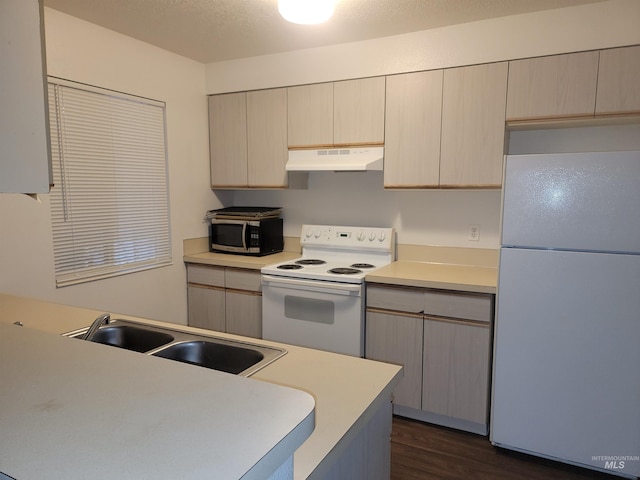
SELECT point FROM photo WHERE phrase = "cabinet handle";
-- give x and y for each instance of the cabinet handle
(395, 312)
(460, 321)
(202, 285)
(244, 292)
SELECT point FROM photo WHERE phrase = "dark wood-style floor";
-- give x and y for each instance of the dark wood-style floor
(424, 451)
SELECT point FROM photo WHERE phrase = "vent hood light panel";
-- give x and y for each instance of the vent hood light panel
(361, 159)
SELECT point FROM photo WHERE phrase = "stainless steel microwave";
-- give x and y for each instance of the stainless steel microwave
(247, 237)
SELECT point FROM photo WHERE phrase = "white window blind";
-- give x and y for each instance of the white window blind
(109, 203)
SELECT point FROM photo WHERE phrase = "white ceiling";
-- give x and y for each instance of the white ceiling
(215, 30)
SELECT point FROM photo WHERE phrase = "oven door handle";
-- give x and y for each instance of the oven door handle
(352, 289)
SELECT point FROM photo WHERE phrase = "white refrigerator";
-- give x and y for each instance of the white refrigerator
(566, 374)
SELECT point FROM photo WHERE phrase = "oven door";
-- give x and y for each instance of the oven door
(316, 314)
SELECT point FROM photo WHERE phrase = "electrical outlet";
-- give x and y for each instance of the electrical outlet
(474, 233)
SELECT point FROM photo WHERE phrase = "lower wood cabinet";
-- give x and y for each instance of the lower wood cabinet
(243, 313)
(443, 341)
(455, 377)
(206, 307)
(225, 299)
(397, 338)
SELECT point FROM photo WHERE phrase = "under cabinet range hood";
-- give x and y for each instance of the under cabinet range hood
(361, 159)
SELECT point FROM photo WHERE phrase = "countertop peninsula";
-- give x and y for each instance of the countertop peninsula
(347, 390)
(77, 410)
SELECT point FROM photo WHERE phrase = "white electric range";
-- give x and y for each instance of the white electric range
(317, 300)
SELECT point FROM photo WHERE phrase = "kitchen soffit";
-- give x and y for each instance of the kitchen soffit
(216, 30)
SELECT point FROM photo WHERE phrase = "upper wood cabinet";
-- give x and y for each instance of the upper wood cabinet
(555, 86)
(440, 128)
(248, 139)
(358, 111)
(228, 140)
(412, 130)
(310, 115)
(267, 138)
(350, 112)
(473, 126)
(619, 81)
(24, 126)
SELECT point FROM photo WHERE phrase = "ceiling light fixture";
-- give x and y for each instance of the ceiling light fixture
(306, 12)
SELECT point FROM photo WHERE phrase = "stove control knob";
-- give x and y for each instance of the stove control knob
(360, 236)
(381, 237)
(372, 236)
(308, 232)
(317, 233)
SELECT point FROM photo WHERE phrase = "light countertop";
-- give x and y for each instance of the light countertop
(239, 261)
(448, 268)
(75, 410)
(345, 389)
(463, 278)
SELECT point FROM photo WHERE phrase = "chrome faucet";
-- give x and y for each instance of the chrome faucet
(105, 318)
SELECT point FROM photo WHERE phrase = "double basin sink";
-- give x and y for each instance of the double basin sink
(217, 353)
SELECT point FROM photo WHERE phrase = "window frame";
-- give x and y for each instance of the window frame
(110, 204)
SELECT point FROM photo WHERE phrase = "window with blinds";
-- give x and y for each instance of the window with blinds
(109, 203)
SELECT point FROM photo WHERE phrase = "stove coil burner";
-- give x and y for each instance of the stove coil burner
(362, 265)
(345, 271)
(289, 266)
(310, 261)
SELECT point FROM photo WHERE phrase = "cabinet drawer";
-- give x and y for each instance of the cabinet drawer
(205, 275)
(243, 279)
(457, 305)
(399, 299)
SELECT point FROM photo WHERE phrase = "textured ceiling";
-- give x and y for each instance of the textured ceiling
(215, 30)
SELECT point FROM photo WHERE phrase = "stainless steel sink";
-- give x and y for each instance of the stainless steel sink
(131, 338)
(216, 355)
(209, 351)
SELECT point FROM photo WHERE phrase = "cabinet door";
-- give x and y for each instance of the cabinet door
(228, 140)
(456, 369)
(244, 313)
(206, 307)
(412, 129)
(397, 338)
(267, 138)
(555, 86)
(24, 127)
(619, 81)
(310, 115)
(473, 125)
(358, 111)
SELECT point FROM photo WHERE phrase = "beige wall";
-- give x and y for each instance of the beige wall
(83, 52)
